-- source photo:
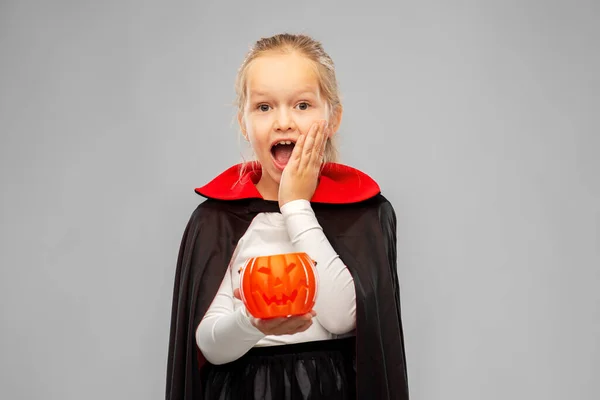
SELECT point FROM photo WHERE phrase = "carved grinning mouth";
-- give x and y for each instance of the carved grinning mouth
(283, 300)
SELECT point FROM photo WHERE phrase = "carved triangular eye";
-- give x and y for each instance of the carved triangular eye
(290, 267)
(264, 270)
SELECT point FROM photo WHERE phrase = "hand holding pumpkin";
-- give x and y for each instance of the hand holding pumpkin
(279, 292)
(281, 325)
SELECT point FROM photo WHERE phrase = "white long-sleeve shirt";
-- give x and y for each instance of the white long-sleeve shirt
(226, 333)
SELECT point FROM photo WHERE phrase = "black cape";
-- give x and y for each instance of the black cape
(360, 224)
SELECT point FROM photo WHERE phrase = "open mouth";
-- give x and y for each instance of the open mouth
(282, 151)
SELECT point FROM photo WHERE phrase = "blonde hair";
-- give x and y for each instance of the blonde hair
(310, 48)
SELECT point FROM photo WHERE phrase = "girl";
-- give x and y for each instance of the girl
(294, 197)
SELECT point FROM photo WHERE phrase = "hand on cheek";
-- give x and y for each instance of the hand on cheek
(300, 176)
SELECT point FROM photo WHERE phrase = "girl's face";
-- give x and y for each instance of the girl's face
(283, 100)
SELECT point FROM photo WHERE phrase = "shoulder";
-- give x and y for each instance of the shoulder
(374, 213)
(377, 203)
(343, 184)
(211, 210)
(383, 206)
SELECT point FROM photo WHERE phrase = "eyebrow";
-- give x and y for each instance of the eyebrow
(297, 93)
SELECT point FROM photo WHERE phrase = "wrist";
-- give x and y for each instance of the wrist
(295, 205)
(248, 323)
(283, 202)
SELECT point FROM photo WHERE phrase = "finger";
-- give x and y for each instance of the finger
(309, 144)
(268, 325)
(304, 327)
(319, 151)
(293, 325)
(296, 320)
(236, 294)
(297, 151)
(307, 324)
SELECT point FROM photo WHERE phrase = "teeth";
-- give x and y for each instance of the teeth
(285, 142)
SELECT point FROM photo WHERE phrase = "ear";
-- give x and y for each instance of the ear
(240, 118)
(336, 120)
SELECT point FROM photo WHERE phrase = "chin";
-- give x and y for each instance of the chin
(270, 170)
(274, 174)
(270, 167)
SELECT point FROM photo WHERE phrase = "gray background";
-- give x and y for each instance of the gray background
(479, 120)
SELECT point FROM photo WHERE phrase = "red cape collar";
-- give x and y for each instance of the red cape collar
(338, 184)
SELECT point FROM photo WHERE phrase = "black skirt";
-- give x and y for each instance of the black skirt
(304, 371)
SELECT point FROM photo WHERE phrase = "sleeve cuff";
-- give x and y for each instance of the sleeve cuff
(295, 205)
(243, 321)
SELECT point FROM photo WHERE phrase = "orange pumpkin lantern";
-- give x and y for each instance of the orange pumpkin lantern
(279, 285)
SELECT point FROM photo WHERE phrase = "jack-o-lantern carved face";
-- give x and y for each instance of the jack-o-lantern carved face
(279, 285)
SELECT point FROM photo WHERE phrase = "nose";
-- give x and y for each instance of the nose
(284, 121)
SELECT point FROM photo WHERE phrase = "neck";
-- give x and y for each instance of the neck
(268, 189)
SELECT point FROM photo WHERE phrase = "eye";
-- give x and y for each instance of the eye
(303, 106)
(264, 270)
(290, 267)
(263, 107)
